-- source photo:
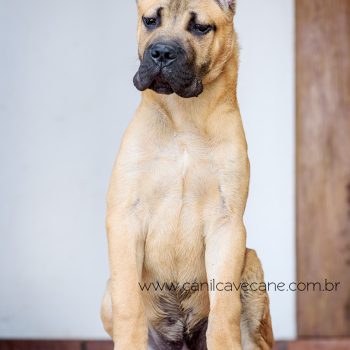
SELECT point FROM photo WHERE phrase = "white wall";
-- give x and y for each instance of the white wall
(66, 95)
(266, 95)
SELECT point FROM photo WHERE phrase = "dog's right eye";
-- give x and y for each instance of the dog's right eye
(199, 29)
(150, 22)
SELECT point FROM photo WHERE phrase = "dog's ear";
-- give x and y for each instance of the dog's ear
(228, 5)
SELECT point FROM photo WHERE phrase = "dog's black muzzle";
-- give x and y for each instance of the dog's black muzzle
(166, 68)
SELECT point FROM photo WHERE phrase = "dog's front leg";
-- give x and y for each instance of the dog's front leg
(225, 251)
(126, 252)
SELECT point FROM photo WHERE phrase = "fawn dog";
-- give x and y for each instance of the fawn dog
(178, 193)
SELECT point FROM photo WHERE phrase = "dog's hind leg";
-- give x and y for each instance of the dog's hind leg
(256, 328)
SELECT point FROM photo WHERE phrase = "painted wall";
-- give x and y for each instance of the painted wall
(66, 96)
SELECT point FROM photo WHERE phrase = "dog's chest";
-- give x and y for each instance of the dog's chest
(179, 186)
(184, 159)
(181, 172)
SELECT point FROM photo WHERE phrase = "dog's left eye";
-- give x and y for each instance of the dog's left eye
(150, 22)
(200, 29)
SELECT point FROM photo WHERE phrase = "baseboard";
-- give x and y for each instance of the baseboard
(317, 344)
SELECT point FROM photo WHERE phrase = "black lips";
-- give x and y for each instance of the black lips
(177, 75)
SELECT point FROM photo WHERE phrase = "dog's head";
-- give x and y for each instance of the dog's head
(183, 44)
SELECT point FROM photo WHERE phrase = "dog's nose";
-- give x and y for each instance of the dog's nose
(163, 54)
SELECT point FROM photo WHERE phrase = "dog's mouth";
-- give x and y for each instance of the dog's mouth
(160, 86)
(167, 80)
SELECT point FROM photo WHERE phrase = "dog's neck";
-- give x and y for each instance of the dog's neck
(218, 95)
